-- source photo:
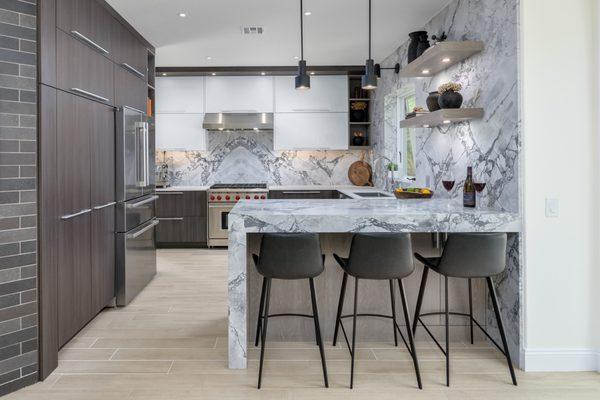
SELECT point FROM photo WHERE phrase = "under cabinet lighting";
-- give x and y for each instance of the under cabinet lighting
(447, 121)
(425, 126)
(164, 74)
(263, 73)
(214, 73)
(425, 72)
(446, 60)
(312, 73)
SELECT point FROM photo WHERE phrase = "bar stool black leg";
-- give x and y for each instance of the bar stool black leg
(420, 298)
(354, 333)
(492, 290)
(313, 297)
(411, 340)
(260, 310)
(471, 308)
(394, 312)
(264, 330)
(447, 312)
(338, 320)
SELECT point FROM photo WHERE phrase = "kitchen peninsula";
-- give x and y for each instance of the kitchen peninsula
(336, 220)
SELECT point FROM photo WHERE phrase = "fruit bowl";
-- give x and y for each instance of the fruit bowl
(413, 193)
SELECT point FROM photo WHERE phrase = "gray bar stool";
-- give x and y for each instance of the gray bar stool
(469, 256)
(288, 256)
(377, 256)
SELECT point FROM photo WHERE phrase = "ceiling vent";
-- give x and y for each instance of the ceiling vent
(252, 30)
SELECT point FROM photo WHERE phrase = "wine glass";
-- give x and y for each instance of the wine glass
(448, 182)
(479, 187)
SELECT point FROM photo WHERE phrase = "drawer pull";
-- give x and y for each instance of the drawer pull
(77, 214)
(303, 192)
(170, 193)
(141, 203)
(143, 230)
(89, 94)
(89, 42)
(133, 70)
(105, 205)
(171, 219)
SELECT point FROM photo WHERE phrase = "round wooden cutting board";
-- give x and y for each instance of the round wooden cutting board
(360, 173)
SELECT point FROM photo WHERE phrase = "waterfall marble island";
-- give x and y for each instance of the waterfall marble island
(336, 221)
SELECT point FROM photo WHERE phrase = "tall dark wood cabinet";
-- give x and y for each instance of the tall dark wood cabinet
(90, 62)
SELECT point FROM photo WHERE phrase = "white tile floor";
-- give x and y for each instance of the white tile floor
(171, 343)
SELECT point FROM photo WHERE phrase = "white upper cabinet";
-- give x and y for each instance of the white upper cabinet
(311, 131)
(180, 95)
(239, 94)
(181, 132)
(326, 94)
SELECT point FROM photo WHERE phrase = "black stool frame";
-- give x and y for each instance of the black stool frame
(446, 351)
(263, 320)
(410, 345)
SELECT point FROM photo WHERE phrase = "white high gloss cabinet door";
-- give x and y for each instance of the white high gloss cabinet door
(182, 132)
(239, 94)
(180, 95)
(326, 94)
(311, 131)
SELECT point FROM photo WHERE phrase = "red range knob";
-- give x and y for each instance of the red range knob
(212, 197)
(255, 197)
(263, 197)
(227, 197)
(247, 197)
(219, 197)
(237, 197)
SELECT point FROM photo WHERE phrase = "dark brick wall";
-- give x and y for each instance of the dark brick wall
(18, 198)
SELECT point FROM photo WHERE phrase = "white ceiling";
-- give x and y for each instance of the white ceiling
(335, 33)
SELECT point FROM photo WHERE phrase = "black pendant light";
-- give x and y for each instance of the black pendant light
(369, 79)
(302, 79)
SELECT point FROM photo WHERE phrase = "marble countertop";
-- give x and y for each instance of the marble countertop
(351, 215)
(183, 189)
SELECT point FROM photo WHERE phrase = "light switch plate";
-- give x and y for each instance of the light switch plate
(552, 208)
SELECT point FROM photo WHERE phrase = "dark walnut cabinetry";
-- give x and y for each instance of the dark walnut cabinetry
(303, 194)
(91, 61)
(182, 218)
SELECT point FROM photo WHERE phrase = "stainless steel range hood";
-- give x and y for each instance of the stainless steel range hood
(238, 122)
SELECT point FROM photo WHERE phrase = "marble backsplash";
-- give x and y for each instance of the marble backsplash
(250, 158)
(489, 80)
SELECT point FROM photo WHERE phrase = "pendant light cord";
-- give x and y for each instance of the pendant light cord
(369, 29)
(302, 31)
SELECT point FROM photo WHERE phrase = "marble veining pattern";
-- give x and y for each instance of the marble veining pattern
(335, 216)
(249, 158)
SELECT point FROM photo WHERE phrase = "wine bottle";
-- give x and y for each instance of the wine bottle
(469, 190)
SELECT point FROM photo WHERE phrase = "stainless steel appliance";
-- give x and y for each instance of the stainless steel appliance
(222, 197)
(251, 121)
(136, 217)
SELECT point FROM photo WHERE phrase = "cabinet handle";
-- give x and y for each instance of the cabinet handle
(310, 109)
(170, 193)
(303, 192)
(105, 205)
(171, 219)
(133, 70)
(77, 214)
(89, 94)
(144, 229)
(141, 203)
(89, 42)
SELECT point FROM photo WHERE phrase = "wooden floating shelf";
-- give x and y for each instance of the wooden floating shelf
(440, 57)
(359, 123)
(443, 117)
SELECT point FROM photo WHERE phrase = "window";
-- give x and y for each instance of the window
(397, 105)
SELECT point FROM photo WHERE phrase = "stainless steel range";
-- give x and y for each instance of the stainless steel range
(222, 197)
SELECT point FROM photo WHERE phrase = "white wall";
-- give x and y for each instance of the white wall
(560, 138)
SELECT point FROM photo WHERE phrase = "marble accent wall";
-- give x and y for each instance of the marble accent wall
(490, 80)
(491, 145)
(249, 158)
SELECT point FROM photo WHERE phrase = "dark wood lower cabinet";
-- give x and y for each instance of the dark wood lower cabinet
(303, 194)
(181, 231)
(74, 276)
(183, 219)
(103, 257)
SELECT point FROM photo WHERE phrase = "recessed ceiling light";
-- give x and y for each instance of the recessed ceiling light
(182, 14)
(214, 73)
(307, 13)
(208, 58)
(296, 58)
(446, 60)
(425, 71)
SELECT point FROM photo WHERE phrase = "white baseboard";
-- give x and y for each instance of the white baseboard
(561, 360)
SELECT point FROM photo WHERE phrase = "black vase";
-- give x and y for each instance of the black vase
(450, 99)
(433, 101)
(358, 115)
(358, 140)
(423, 44)
(414, 44)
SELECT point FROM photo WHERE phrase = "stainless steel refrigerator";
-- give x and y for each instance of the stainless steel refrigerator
(136, 198)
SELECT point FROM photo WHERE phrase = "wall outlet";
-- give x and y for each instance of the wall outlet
(552, 208)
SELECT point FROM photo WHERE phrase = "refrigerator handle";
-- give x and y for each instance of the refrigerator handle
(139, 154)
(146, 154)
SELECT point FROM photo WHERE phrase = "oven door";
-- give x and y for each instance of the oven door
(218, 221)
